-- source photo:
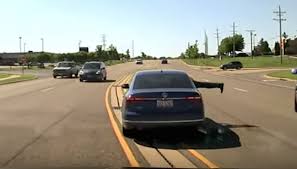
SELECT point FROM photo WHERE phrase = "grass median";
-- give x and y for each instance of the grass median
(248, 62)
(283, 74)
(15, 79)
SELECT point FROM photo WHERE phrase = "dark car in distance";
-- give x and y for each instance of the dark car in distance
(232, 65)
(164, 61)
(163, 98)
(93, 71)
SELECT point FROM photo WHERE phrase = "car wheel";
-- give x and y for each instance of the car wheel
(238, 68)
(76, 75)
(54, 76)
(81, 80)
(128, 132)
(105, 78)
(224, 68)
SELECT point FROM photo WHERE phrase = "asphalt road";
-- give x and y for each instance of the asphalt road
(64, 123)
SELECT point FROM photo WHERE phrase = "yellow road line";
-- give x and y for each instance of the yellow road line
(202, 159)
(131, 158)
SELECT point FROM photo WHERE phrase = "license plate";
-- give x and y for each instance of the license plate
(164, 103)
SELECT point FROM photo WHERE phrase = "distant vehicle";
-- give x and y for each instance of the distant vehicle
(163, 98)
(66, 68)
(139, 62)
(232, 65)
(41, 65)
(294, 71)
(93, 71)
(164, 61)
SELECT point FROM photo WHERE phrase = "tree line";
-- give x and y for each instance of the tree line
(110, 53)
(226, 47)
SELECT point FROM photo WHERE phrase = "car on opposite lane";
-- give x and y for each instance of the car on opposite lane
(164, 61)
(232, 65)
(163, 98)
(139, 62)
(66, 68)
(93, 71)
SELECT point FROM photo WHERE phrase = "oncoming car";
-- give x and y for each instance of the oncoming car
(139, 62)
(163, 98)
(93, 71)
(66, 69)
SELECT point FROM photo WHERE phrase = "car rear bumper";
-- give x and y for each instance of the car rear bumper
(129, 124)
(93, 77)
(61, 73)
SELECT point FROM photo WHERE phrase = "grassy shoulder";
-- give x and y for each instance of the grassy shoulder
(283, 74)
(4, 75)
(248, 62)
(19, 78)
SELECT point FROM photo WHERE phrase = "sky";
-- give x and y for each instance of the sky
(158, 27)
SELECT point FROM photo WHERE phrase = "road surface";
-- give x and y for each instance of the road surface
(62, 123)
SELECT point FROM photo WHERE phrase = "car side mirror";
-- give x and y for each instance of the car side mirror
(125, 86)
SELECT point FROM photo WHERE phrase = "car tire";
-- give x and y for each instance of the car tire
(55, 76)
(81, 80)
(105, 78)
(238, 68)
(129, 133)
(224, 68)
(76, 75)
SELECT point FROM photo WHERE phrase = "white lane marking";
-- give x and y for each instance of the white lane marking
(205, 80)
(47, 89)
(241, 90)
(268, 80)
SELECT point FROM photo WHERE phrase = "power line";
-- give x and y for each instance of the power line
(251, 34)
(280, 18)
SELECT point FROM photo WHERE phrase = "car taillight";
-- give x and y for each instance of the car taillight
(193, 98)
(134, 98)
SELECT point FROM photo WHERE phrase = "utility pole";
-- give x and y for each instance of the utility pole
(233, 39)
(218, 43)
(251, 34)
(132, 48)
(254, 41)
(280, 13)
(103, 41)
(205, 43)
(42, 45)
(25, 47)
(20, 38)
(79, 43)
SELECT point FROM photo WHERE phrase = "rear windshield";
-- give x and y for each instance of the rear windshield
(65, 64)
(92, 66)
(153, 81)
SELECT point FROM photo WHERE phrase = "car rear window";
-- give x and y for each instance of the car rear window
(153, 81)
(92, 66)
(65, 64)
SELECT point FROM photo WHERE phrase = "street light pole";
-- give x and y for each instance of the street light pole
(25, 47)
(20, 38)
(42, 45)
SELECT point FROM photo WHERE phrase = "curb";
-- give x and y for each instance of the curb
(279, 78)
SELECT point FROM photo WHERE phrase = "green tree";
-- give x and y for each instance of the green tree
(128, 54)
(226, 45)
(182, 56)
(192, 51)
(276, 48)
(262, 48)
